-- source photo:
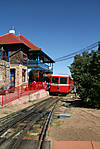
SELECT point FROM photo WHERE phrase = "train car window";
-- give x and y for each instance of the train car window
(54, 80)
(63, 80)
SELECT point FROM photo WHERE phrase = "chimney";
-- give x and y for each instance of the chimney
(12, 30)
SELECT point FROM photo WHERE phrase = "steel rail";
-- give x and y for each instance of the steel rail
(38, 112)
(18, 112)
(44, 130)
(18, 118)
(16, 144)
(14, 134)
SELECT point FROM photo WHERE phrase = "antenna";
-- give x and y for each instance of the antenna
(18, 35)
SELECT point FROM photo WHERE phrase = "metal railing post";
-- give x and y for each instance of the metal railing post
(2, 98)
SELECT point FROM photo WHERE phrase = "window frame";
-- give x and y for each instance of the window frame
(64, 81)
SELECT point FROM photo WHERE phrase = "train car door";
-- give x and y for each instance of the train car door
(54, 84)
(63, 84)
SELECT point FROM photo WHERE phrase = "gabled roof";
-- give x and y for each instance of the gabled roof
(28, 43)
(9, 38)
(10, 41)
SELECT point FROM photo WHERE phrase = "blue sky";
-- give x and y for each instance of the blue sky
(59, 27)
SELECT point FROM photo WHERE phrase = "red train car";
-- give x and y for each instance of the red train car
(61, 84)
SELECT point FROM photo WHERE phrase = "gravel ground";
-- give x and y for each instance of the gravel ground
(82, 125)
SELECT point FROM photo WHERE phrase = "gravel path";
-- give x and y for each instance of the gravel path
(84, 124)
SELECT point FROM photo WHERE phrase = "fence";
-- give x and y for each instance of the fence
(11, 94)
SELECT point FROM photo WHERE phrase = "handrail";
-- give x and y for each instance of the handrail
(13, 93)
(38, 63)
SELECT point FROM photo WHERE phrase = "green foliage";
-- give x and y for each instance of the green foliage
(85, 71)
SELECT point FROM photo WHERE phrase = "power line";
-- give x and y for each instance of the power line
(79, 51)
(65, 59)
(71, 55)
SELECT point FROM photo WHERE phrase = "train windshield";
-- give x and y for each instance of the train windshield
(63, 80)
(55, 80)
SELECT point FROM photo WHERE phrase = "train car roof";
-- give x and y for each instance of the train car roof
(57, 75)
(60, 75)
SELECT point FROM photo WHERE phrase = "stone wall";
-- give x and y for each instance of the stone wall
(32, 97)
(4, 74)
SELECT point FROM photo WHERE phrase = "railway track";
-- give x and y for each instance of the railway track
(41, 140)
(23, 120)
(20, 111)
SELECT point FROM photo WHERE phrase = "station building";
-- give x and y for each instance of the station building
(21, 61)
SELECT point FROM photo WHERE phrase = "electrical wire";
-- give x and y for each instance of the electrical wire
(71, 55)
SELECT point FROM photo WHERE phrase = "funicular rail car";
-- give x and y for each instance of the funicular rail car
(61, 84)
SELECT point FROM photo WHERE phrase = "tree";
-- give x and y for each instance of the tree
(85, 71)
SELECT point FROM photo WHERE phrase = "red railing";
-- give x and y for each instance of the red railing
(16, 92)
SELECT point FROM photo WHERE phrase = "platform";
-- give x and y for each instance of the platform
(76, 145)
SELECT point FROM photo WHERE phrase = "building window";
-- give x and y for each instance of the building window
(23, 75)
(24, 56)
(1, 53)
